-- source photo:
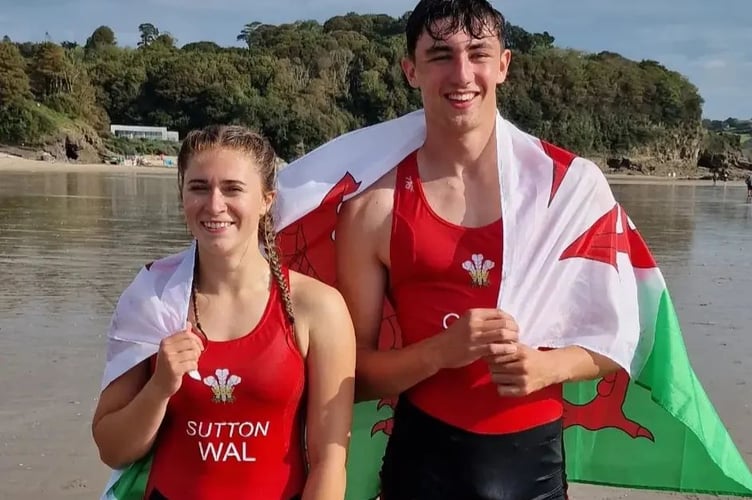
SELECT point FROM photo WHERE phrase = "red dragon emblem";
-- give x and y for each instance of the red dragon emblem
(307, 246)
(390, 337)
(601, 242)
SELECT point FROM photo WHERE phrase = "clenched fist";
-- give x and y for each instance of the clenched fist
(476, 334)
(178, 354)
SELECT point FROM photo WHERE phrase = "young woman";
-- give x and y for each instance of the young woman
(269, 415)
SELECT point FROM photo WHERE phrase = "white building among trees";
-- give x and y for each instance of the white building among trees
(141, 132)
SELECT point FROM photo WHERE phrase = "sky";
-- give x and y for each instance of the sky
(708, 41)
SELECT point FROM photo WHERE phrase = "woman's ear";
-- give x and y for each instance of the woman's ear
(268, 202)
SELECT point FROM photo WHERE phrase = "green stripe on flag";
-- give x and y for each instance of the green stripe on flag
(691, 451)
(132, 484)
(366, 452)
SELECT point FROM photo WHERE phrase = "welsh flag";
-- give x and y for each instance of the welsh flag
(575, 272)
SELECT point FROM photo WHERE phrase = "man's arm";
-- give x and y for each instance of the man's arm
(364, 224)
(529, 370)
(576, 363)
(362, 279)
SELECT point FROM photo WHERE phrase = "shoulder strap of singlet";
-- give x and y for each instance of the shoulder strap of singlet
(406, 183)
(281, 300)
(294, 342)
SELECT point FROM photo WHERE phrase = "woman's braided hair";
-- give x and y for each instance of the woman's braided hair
(244, 140)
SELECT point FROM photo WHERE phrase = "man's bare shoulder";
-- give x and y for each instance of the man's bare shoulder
(374, 204)
(364, 225)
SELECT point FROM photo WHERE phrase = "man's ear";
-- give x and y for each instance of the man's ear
(504, 62)
(408, 68)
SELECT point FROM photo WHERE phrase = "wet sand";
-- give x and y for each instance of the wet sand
(70, 242)
(13, 164)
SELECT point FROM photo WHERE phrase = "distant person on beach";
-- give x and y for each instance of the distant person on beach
(275, 350)
(748, 181)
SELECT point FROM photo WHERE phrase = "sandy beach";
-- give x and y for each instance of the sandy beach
(51, 388)
(13, 164)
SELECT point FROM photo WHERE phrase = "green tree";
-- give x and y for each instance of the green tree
(166, 40)
(48, 74)
(252, 32)
(303, 83)
(101, 37)
(201, 47)
(149, 34)
(519, 40)
(14, 83)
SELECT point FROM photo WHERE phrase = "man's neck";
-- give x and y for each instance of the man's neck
(453, 153)
(247, 269)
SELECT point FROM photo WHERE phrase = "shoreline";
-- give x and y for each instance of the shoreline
(21, 165)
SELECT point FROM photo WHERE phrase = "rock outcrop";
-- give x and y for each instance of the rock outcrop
(674, 151)
(724, 161)
(80, 145)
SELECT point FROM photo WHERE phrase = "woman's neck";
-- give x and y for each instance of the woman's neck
(247, 269)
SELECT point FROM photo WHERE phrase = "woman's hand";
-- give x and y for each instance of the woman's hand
(178, 354)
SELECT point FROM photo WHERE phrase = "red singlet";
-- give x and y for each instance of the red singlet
(237, 433)
(439, 270)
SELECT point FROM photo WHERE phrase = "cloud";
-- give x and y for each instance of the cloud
(691, 37)
(706, 41)
(713, 64)
(203, 5)
(712, 53)
(290, 10)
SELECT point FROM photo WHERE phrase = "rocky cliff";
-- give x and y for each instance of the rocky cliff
(665, 151)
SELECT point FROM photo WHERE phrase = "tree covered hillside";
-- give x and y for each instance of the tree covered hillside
(305, 82)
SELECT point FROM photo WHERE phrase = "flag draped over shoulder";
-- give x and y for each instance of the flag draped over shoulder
(575, 272)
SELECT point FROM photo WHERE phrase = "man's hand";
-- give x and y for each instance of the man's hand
(476, 334)
(522, 372)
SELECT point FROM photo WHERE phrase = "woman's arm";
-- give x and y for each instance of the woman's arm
(127, 418)
(331, 384)
(131, 409)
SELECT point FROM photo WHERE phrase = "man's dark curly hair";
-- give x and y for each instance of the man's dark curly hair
(475, 17)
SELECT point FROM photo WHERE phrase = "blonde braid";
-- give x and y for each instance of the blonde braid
(270, 245)
(258, 148)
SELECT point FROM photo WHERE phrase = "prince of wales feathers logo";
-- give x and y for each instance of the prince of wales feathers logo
(222, 385)
(478, 269)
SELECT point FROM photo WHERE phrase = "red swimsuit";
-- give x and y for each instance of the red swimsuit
(237, 433)
(438, 271)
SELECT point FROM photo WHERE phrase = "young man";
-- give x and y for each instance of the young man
(479, 413)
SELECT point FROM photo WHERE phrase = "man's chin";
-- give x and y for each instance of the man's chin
(464, 123)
